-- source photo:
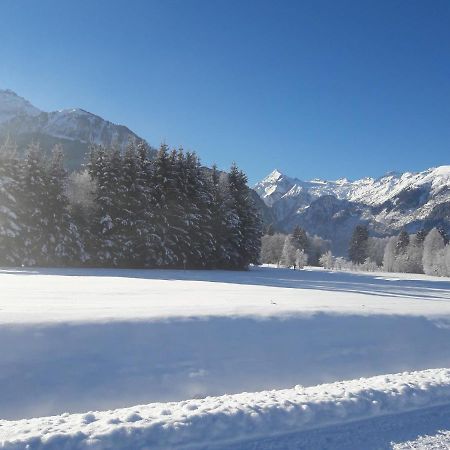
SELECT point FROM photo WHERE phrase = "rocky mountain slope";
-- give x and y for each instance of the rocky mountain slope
(332, 208)
(75, 128)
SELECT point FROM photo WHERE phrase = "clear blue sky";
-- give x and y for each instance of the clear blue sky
(314, 88)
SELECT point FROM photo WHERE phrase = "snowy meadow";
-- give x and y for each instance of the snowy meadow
(76, 340)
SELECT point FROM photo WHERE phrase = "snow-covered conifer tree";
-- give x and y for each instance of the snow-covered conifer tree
(247, 232)
(10, 226)
(433, 254)
(63, 241)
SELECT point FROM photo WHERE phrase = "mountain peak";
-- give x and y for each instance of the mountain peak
(274, 175)
(12, 105)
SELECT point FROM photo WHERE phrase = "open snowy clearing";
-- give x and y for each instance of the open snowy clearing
(77, 340)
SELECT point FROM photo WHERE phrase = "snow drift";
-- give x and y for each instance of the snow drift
(229, 418)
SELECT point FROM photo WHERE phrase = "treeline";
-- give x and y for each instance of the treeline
(292, 250)
(427, 251)
(124, 210)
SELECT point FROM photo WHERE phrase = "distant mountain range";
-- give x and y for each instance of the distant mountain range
(386, 205)
(74, 128)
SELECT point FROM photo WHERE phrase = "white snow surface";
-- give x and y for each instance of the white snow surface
(231, 419)
(73, 340)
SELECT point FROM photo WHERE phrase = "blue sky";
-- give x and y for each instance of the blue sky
(314, 88)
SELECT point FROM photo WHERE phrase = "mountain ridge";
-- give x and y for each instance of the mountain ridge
(74, 128)
(387, 204)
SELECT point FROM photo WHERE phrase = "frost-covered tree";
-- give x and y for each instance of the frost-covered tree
(272, 248)
(288, 254)
(375, 249)
(301, 258)
(433, 254)
(327, 260)
(447, 259)
(389, 264)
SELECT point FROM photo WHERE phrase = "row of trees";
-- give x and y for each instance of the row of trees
(292, 250)
(423, 252)
(125, 210)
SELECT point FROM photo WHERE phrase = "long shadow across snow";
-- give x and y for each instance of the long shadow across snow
(371, 284)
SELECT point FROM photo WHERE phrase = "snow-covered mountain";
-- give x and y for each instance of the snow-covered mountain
(74, 128)
(332, 208)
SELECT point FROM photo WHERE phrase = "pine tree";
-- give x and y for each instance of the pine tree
(247, 233)
(147, 240)
(197, 213)
(10, 226)
(63, 241)
(358, 245)
(33, 198)
(219, 208)
(135, 227)
(402, 242)
(104, 167)
(300, 238)
(162, 185)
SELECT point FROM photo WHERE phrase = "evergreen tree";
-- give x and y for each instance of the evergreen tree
(162, 184)
(402, 242)
(358, 245)
(220, 222)
(33, 197)
(63, 241)
(247, 232)
(104, 167)
(10, 225)
(300, 238)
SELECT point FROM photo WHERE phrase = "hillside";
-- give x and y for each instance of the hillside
(74, 128)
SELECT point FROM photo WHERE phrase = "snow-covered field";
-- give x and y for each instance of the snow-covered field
(79, 340)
